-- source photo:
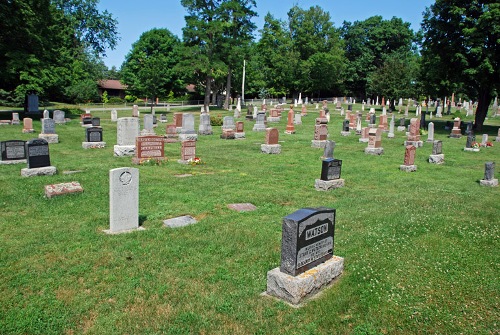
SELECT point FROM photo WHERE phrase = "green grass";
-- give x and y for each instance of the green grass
(421, 249)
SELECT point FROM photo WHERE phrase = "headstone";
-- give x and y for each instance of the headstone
(489, 175)
(470, 144)
(127, 131)
(32, 103)
(59, 117)
(364, 135)
(28, 125)
(188, 133)
(329, 148)
(13, 152)
(497, 139)
(271, 146)
(37, 153)
(94, 134)
(374, 142)
(307, 243)
(484, 140)
(205, 128)
(188, 151)
(259, 123)
(149, 148)
(123, 199)
(414, 134)
(15, 118)
(430, 132)
(456, 132)
(135, 111)
(96, 122)
(298, 119)
(345, 128)
(181, 221)
(373, 119)
(114, 115)
(391, 128)
(228, 123)
(46, 114)
(171, 133)
(320, 136)
(53, 190)
(163, 118)
(178, 121)
(409, 161)
(240, 130)
(330, 175)
(290, 128)
(49, 131)
(468, 128)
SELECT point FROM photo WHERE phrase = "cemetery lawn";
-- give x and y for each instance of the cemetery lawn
(421, 249)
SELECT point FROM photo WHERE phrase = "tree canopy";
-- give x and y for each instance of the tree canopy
(461, 50)
(148, 69)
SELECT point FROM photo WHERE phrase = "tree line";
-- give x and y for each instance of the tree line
(54, 47)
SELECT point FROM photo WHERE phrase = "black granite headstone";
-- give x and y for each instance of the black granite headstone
(470, 139)
(468, 130)
(307, 239)
(330, 169)
(423, 125)
(349, 107)
(96, 122)
(373, 118)
(94, 134)
(87, 120)
(402, 122)
(13, 150)
(345, 125)
(32, 103)
(37, 153)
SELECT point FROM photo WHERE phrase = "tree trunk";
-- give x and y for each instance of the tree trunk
(482, 108)
(228, 88)
(206, 101)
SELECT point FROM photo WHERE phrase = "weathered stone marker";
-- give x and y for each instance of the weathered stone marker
(307, 260)
(123, 199)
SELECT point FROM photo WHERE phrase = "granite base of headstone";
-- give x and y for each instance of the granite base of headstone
(13, 161)
(50, 138)
(188, 137)
(273, 119)
(308, 264)
(327, 185)
(374, 151)
(180, 221)
(408, 168)
(41, 171)
(270, 148)
(472, 149)
(123, 150)
(318, 143)
(363, 140)
(54, 190)
(401, 128)
(93, 145)
(345, 133)
(416, 144)
(239, 136)
(148, 132)
(490, 183)
(436, 159)
(27, 131)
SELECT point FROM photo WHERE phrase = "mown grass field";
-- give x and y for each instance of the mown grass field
(421, 249)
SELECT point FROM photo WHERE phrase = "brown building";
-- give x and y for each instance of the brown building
(114, 88)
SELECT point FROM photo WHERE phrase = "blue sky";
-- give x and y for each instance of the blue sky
(136, 17)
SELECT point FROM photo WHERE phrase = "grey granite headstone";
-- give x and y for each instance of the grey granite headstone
(46, 114)
(127, 130)
(307, 239)
(15, 118)
(228, 123)
(48, 126)
(470, 139)
(329, 147)
(437, 148)
(59, 116)
(205, 128)
(430, 132)
(181, 221)
(123, 199)
(96, 122)
(489, 170)
(114, 115)
(188, 124)
(93, 134)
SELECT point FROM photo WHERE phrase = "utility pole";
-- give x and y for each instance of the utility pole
(243, 84)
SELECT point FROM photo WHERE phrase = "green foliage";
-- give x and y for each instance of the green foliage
(115, 100)
(461, 47)
(148, 69)
(130, 98)
(83, 91)
(368, 42)
(216, 120)
(104, 97)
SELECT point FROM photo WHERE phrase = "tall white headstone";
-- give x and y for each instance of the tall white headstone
(123, 199)
(430, 132)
